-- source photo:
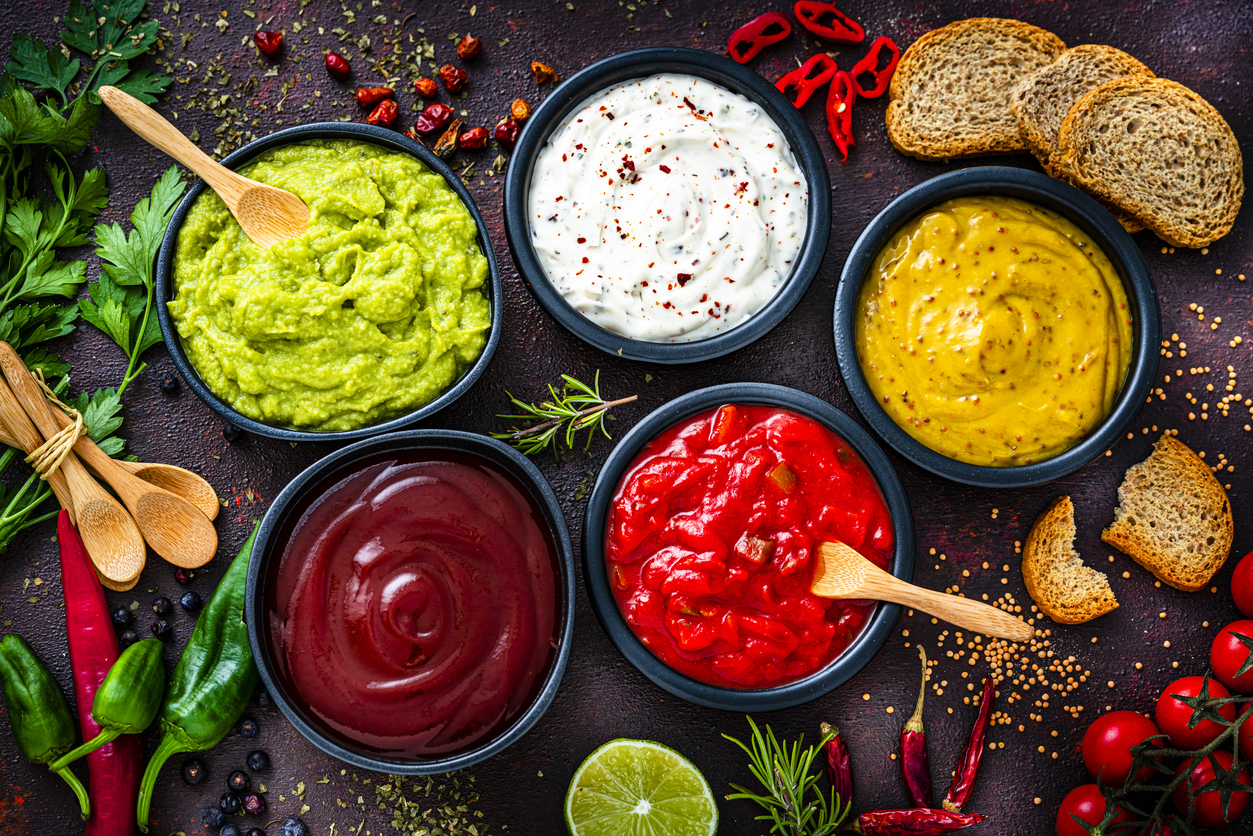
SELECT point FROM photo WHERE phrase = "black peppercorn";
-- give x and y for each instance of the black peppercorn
(191, 602)
(231, 433)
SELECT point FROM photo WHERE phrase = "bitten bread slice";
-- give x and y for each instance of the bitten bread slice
(950, 94)
(1066, 590)
(1041, 100)
(1173, 517)
(1158, 151)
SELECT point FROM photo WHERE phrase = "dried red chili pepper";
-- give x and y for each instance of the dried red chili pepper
(870, 65)
(435, 117)
(268, 42)
(507, 131)
(426, 88)
(916, 822)
(964, 779)
(469, 48)
(801, 83)
(474, 139)
(542, 72)
(454, 78)
(914, 766)
(337, 65)
(384, 114)
(370, 96)
(520, 109)
(447, 143)
(756, 35)
(839, 765)
(825, 21)
(840, 100)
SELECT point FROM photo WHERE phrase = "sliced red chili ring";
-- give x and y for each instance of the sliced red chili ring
(840, 100)
(870, 65)
(801, 83)
(825, 21)
(756, 35)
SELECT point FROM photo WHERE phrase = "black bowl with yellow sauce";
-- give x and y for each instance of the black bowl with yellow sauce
(1097, 225)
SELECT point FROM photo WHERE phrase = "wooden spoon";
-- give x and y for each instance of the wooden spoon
(841, 572)
(267, 215)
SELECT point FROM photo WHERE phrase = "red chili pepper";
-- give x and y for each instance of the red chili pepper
(825, 21)
(268, 42)
(454, 78)
(337, 65)
(914, 766)
(384, 114)
(113, 769)
(756, 35)
(917, 822)
(807, 79)
(473, 139)
(840, 100)
(434, 118)
(972, 755)
(839, 766)
(469, 48)
(507, 131)
(370, 96)
(426, 88)
(870, 64)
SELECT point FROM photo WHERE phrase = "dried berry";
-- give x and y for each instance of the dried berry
(474, 139)
(384, 114)
(254, 804)
(162, 607)
(542, 72)
(194, 773)
(454, 78)
(184, 576)
(337, 65)
(230, 829)
(507, 131)
(127, 638)
(426, 88)
(447, 143)
(169, 384)
(293, 826)
(258, 761)
(269, 43)
(213, 818)
(370, 96)
(122, 616)
(520, 110)
(263, 698)
(231, 433)
(470, 47)
(255, 831)
(238, 781)
(191, 602)
(248, 729)
(230, 803)
(162, 630)
(435, 117)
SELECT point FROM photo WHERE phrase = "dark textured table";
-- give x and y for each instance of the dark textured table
(1204, 45)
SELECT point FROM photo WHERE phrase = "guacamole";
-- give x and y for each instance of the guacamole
(373, 312)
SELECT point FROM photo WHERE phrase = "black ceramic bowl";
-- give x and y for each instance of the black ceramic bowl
(392, 141)
(313, 482)
(641, 63)
(875, 631)
(1085, 213)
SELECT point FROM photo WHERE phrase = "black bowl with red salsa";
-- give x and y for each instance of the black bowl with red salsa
(702, 534)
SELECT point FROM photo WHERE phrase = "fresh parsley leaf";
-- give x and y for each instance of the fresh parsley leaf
(109, 31)
(53, 366)
(40, 67)
(100, 411)
(27, 325)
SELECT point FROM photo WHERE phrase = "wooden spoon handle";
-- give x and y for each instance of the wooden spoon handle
(20, 433)
(971, 615)
(153, 128)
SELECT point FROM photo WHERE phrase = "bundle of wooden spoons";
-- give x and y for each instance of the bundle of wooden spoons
(169, 508)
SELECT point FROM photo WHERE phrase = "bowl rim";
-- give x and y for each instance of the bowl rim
(264, 549)
(1082, 210)
(641, 63)
(375, 135)
(845, 666)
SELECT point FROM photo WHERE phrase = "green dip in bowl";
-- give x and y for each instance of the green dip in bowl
(372, 313)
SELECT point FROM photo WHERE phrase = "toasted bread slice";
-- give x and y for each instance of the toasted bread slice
(1066, 590)
(950, 94)
(1158, 151)
(1173, 517)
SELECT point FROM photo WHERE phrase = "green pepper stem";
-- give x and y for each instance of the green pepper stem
(167, 748)
(84, 804)
(914, 724)
(105, 737)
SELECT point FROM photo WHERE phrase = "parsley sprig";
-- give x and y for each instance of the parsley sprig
(578, 407)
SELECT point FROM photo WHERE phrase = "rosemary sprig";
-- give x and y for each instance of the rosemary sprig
(793, 803)
(578, 407)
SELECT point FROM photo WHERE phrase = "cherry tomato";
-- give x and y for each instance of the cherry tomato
(1107, 746)
(1228, 654)
(1246, 740)
(1173, 716)
(1209, 806)
(1242, 585)
(1088, 804)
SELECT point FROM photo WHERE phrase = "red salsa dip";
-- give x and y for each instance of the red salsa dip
(415, 606)
(711, 542)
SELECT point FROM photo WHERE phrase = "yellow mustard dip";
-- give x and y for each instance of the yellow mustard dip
(994, 331)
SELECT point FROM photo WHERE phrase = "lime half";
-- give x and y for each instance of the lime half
(639, 788)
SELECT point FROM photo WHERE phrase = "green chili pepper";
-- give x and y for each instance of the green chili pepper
(38, 712)
(213, 681)
(128, 699)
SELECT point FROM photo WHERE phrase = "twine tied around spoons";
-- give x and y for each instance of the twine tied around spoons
(47, 457)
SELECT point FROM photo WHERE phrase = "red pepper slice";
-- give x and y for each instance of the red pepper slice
(801, 83)
(825, 21)
(756, 35)
(840, 100)
(870, 65)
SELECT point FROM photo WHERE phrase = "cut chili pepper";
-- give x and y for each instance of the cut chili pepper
(447, 143)
(801, 83)
(268, 42)
(454, 78)
(520, 110)
(473, 140)
(542, 72)
(870, 66)
(426, 88)
(839, 766)
(756, 35)
(434, 118)
(840, 100)
(337, 65)
(370, 96)
(384, 114)
(469, 48)
(506, 132)
(972, 755)
(825, 21)
(914, 766)
(916, 822)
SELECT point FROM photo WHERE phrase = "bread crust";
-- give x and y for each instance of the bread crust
(1046, 584)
